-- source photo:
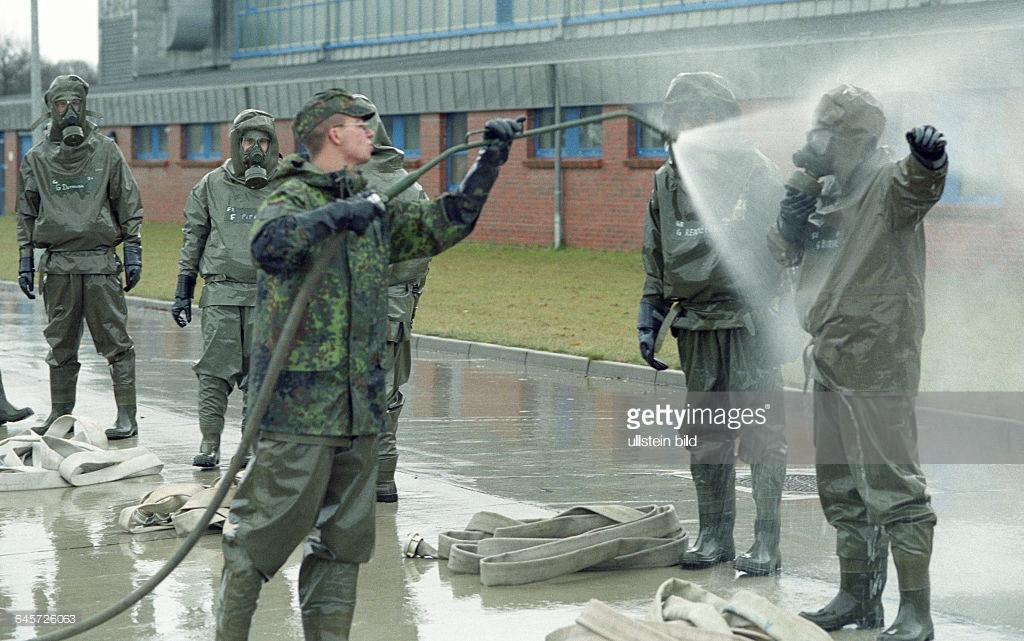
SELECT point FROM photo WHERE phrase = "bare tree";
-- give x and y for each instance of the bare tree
(15, 60)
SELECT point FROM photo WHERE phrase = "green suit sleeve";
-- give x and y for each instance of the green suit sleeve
(125, 200)
(913, 190)
(195, 231)
(27, 209)
(652, 257)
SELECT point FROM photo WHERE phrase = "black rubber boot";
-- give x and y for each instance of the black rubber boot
(63, 390)
(122, 373)
(8, 412)
(125, 425)
(914, 619)
(859, 601)
(764, 556)
(208, 456)
(716, 507)
(387, 491)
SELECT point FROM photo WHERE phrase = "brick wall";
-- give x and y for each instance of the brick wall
(604, 198)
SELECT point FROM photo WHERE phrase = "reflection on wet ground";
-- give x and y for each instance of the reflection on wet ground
(475, 435)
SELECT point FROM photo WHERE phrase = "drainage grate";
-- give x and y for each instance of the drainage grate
(801, 484)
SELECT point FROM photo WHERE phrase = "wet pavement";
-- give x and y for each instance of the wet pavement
(475, 435)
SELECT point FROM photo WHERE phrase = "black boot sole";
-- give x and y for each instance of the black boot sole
(751, 568)
(833, 625)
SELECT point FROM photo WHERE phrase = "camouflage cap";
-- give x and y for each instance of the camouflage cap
(850, 109)
(325, 104)
(66, 84)
(701, 87)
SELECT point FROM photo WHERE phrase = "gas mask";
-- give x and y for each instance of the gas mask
(253, 148)
(847, 124)
(255, 145)
(815, 156)
(65, 100)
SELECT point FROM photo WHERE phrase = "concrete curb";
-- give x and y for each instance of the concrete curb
(549, 360)
(526, 358)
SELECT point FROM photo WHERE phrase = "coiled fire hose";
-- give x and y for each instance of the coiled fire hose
(277, 360)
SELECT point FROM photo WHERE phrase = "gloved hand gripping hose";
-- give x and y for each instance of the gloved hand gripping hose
(278, 357)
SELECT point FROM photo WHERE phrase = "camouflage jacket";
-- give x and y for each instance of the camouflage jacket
(333, 384)
(860, 288)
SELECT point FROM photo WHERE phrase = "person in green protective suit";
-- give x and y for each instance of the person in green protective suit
(316, 462)
(78, 200)
(860, 249)
(218, 218)
(9, 413)
(701, 256)
(405, 284)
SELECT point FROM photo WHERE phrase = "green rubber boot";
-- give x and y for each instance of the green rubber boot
(63, 389)
(387, 491)
(8, 412)
(122, 373)
(763, 557)
(212, 404)
(859, 601)
(914, 619)
(716, 508)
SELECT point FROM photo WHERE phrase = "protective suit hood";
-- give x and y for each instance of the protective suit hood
(699, 93)
(70, 128)
(845, 129)
(256, 168)
(386, 157)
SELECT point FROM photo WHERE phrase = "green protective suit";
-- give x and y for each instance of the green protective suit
(78, 204)
(860, 295)
(218, 218)
(725, 323)
(405, 284)
(315, 462)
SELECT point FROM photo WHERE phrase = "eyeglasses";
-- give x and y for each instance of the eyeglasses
(365, 127)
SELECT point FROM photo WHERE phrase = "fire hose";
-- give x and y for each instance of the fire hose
(278, 358)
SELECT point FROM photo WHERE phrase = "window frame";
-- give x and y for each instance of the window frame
(451, 181)
(570, 137)
(157, 151)
(396, 126)
(210, 147)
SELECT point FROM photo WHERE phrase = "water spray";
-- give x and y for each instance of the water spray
(278, 358)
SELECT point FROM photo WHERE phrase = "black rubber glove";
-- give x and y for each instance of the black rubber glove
(353, 214)
(648, 324)
(794, 211)
(183, 300)
(928, 145)
(27, 275)
(498, 134)
(132, 266)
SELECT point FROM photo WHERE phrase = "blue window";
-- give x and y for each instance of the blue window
(150, 142)
(24, 144)
(202, 141)
(503, 12)
(648, 142)
(405, 133)
(455, 134)
(577, 142)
